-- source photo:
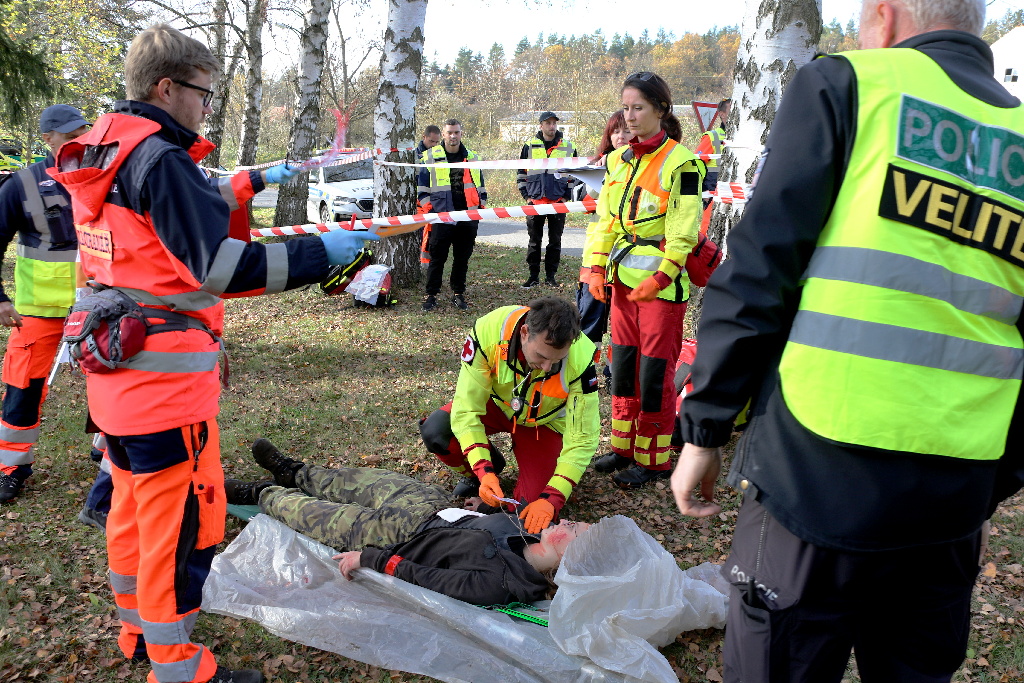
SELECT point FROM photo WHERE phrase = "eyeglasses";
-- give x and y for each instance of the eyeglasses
(642, 76)
(207, 98)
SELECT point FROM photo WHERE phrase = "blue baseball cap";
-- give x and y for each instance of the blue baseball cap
(62, 118)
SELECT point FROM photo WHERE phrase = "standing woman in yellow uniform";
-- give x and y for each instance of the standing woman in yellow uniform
(649, 214)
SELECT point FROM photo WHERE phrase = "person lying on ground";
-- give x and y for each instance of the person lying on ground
(402, 527)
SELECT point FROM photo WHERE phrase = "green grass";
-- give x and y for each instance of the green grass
(336, 385)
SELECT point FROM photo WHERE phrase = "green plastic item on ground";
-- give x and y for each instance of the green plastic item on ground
(243, 512)
(522, 610)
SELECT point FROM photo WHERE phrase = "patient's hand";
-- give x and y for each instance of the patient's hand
(349, 562)
(472, 503)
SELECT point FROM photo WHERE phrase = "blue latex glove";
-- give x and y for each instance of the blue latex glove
(343, 245)
(281, 173)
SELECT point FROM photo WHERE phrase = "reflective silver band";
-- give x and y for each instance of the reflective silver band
(12, 435)
(172, 632)
(166, 361)
(99, 441)
(14, 458)
(187, 301)
(105, 465)
(906, 274)
(228, 193)
(277, 268)
(224, 265)
(641, 262)
(904, 345)
(123, 584)
(48, 255)
(129, 616)
(34, 203)
(177, 672)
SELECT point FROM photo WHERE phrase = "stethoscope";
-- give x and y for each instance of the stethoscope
(519, 391)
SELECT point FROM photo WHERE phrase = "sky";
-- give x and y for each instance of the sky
(477, 24)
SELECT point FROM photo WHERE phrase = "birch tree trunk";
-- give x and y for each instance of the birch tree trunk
(215, 122)
(291, 201)
(777, 37)
(394, 125)
(248, 146)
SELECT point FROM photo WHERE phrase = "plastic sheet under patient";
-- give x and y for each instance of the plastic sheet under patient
(289, 584)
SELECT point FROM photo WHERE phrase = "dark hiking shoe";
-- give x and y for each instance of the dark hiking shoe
(430, 303)
(459, 302)
(269, 458)
(93, 517)
(10, 487)
(244, 492)
(637, 476)
(611, 462)
(224, 675)
(550, 281)
(531, 281)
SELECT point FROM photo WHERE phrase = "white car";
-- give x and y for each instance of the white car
(336, 193)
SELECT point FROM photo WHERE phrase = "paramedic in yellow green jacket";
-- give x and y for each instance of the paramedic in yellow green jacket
(529, 372)
(649, 216)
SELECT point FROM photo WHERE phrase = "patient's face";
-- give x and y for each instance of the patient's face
(559, 536)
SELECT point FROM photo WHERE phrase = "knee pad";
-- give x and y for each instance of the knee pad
(624, 370)
(436, 432)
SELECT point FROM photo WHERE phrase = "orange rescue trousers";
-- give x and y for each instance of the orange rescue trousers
(165, 523)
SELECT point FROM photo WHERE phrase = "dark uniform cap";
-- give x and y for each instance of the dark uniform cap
(62, 118)
(548, 115)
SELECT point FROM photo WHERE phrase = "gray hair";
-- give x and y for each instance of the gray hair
(164, 52)
(965, 15)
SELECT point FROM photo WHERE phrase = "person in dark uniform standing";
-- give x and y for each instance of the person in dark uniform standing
(871, 306)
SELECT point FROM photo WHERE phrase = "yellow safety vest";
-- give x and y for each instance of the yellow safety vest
(906, 338)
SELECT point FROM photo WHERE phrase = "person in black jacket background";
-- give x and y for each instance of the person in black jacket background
(396, 525)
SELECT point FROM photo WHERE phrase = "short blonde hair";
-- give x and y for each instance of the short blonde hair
(164, 52)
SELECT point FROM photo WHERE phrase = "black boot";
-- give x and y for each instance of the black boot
(245, 492)
(10, 487)
(637, 476)
(611, 462)
(269, 458)
(224, 675)
(469, 485)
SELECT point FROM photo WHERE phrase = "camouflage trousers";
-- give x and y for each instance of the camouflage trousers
(352, 507)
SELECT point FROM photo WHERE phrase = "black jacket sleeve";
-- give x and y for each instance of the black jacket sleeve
(193, 225)
(751, 299)
(12, 217)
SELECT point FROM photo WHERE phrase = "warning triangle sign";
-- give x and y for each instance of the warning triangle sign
(705, 111)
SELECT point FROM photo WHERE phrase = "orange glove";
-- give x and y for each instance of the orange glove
(646, 290)
(426, 207)
(537, 515)
(597, 286)
(490, 490)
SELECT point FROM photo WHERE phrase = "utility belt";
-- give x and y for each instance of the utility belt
(104, 330)
(620, 251)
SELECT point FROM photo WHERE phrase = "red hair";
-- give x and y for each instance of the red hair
(617, 121)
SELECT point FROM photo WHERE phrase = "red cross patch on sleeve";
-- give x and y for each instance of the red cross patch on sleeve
(468, 350)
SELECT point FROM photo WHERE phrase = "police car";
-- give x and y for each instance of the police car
(336, 193)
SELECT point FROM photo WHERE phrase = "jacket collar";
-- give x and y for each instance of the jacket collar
(170, 130)
(554, 143)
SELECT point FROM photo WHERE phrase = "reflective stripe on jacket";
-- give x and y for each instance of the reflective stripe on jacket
(916, 283)
(435, 183)
(44, 272)
(649, 212)
(566, 401)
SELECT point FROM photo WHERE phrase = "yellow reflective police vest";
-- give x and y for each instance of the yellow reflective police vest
(905, 338)
(649, 217)
(44, 276)
(440, 183)
(543, 183)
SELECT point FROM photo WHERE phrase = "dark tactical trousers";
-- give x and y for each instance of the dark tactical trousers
(352, 507)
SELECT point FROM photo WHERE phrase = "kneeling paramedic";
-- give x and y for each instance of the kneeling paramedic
(151, 226)
(526, 371)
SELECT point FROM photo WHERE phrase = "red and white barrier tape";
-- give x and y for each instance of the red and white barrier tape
(396, 225)
(730, 193)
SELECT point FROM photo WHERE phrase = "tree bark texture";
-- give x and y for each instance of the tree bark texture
(394, 125)
(777, 37)
(215, 122)
(249, 143)
(291, 202)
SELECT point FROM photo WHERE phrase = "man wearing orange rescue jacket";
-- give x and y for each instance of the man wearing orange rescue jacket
(151, 226)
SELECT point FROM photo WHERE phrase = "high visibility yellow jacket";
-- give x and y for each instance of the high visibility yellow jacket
(649, 210)
(566, 401)
(921, 295)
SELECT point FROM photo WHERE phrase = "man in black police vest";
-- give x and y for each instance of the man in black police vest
(872, 309)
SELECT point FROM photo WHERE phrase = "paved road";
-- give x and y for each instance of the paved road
(509, 232)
